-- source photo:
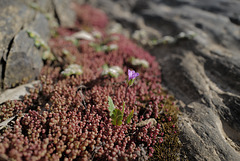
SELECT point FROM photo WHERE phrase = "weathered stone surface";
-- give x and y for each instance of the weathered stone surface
(64, 13)
(203, 73)
(13, 16)
(23, 63)
(205, 136)
(40, 25)
(24, 60)
(17, 93)
(152, 122)
(43, 6)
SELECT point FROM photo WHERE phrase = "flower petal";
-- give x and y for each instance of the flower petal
(132, 74)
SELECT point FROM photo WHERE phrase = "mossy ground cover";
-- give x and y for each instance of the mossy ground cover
(66, 117)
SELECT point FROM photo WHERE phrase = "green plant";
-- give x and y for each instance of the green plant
(116, 114)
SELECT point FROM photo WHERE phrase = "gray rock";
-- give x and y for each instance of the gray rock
(40, 25)
(23, 63)
(24, 60)
(122, 14)
(17, 93)
(152, 122)
(202, 73)
(205, 75)
(13, 16)
(43, 6)
(64, 13)
(204, 136)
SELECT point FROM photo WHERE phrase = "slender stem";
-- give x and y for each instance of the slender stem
(126, 92)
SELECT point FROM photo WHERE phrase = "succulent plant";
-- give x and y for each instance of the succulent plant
(73, 69)
(68, 117)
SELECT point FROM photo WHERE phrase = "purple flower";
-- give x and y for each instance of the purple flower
(132, 74)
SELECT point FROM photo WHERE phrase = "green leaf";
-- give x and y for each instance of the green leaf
(117, 117)
(129, 117)
(111, 105)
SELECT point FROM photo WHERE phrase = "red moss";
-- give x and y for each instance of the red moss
(89, 16)
(66, 31)
(11, 108)
(68, 117)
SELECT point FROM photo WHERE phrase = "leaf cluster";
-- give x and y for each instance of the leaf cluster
(116, 114)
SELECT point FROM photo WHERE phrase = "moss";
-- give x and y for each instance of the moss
(169, 147)
(68, 117)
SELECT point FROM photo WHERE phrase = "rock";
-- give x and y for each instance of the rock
(203, 73)
(17, 50)
(41, 26)
(123, 15)
(82, 35)
(24, 60)
(64, 13)
(235, 19)
(204, 134)
(13, 16)
(43, 6)
(152, 121)
(18, 69)
(17, 93)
